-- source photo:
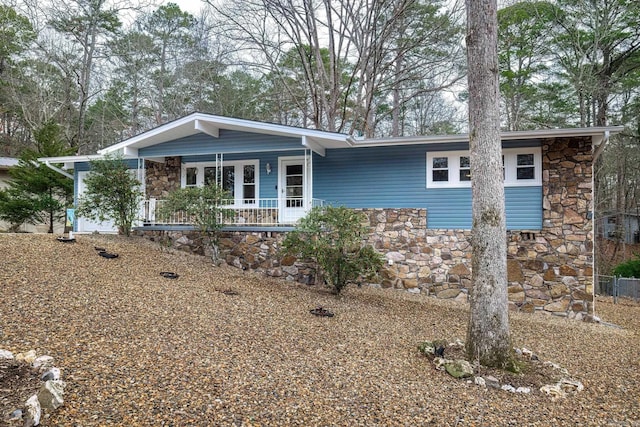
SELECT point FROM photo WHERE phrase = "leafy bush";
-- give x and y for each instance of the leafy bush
(629, 268)
(204, 208)
(332, 238)
(113, 192)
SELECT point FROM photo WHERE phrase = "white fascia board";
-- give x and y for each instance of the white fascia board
(70, 159)
(595, 132)
(150, 133)
(211, 125)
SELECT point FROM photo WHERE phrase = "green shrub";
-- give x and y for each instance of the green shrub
(331, 237)
(629, 268)
(204, 208)
(113, 192)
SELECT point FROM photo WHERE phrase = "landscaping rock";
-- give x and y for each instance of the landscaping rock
(51, 394)
(51, 374)
(33, 412)
(492, 381)
(459, 368)
(43, 362)
(27, 357)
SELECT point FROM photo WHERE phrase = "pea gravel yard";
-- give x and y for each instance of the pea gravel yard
(136, 348)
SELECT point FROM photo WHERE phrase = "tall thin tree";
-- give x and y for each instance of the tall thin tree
(488, 336)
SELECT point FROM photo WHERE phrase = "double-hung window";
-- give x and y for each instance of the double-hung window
(452, 169)
(238, 178)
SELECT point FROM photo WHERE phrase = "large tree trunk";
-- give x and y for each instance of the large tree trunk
(488, 339)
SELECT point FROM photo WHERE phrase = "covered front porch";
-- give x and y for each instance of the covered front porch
(284, 212)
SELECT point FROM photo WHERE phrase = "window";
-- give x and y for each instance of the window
(451, 169)
(522, 166)
(238, 178)
(191, 176)
(440, 171)
(525, 166)
(465, 168)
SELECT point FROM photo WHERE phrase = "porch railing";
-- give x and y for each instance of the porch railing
(249, 212)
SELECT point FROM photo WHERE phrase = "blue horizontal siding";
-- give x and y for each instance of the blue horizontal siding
(395, 177)
(86, 166)
(229, 141)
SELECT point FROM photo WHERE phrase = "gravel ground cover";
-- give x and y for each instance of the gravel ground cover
(139, 349)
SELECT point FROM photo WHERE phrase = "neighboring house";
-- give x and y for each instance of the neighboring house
(628, 232)
(6, 163)
(416, 192)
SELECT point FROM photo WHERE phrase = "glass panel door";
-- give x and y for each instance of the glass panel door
(292, 190)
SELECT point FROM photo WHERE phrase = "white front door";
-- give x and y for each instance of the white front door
(84, 225)
(294, 191)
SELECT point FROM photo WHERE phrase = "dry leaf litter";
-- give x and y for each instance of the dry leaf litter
(136, 348)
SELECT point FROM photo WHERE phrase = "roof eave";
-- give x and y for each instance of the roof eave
(595, 132)
(210, 124)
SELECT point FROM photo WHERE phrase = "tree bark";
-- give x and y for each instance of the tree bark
(488, 337)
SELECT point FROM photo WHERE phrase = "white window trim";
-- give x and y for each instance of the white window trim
(510, 165)
(238, 184)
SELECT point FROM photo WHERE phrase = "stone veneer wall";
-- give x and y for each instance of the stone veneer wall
(161, 178)
(549, 270)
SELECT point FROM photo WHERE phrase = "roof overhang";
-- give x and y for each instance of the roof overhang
(598, 135)
(195, 123)
(68, 162)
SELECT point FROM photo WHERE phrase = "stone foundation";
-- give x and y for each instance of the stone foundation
(420, 260)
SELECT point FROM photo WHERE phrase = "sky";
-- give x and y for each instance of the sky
(191, 6)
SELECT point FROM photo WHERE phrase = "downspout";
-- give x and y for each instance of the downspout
(594, 274)
(57, 169)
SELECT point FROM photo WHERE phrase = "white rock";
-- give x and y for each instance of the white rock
(43, 362)
(32, 412)
(413, 290)
(480, 381)
(570, 385)
(184, 240)
(5, 354)
(50, 394)
(525, 390)
(508, 387)
(51, 374)
(553, 390)
(526, 353)
(440, 362)
(458, 343)
(28, 357)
